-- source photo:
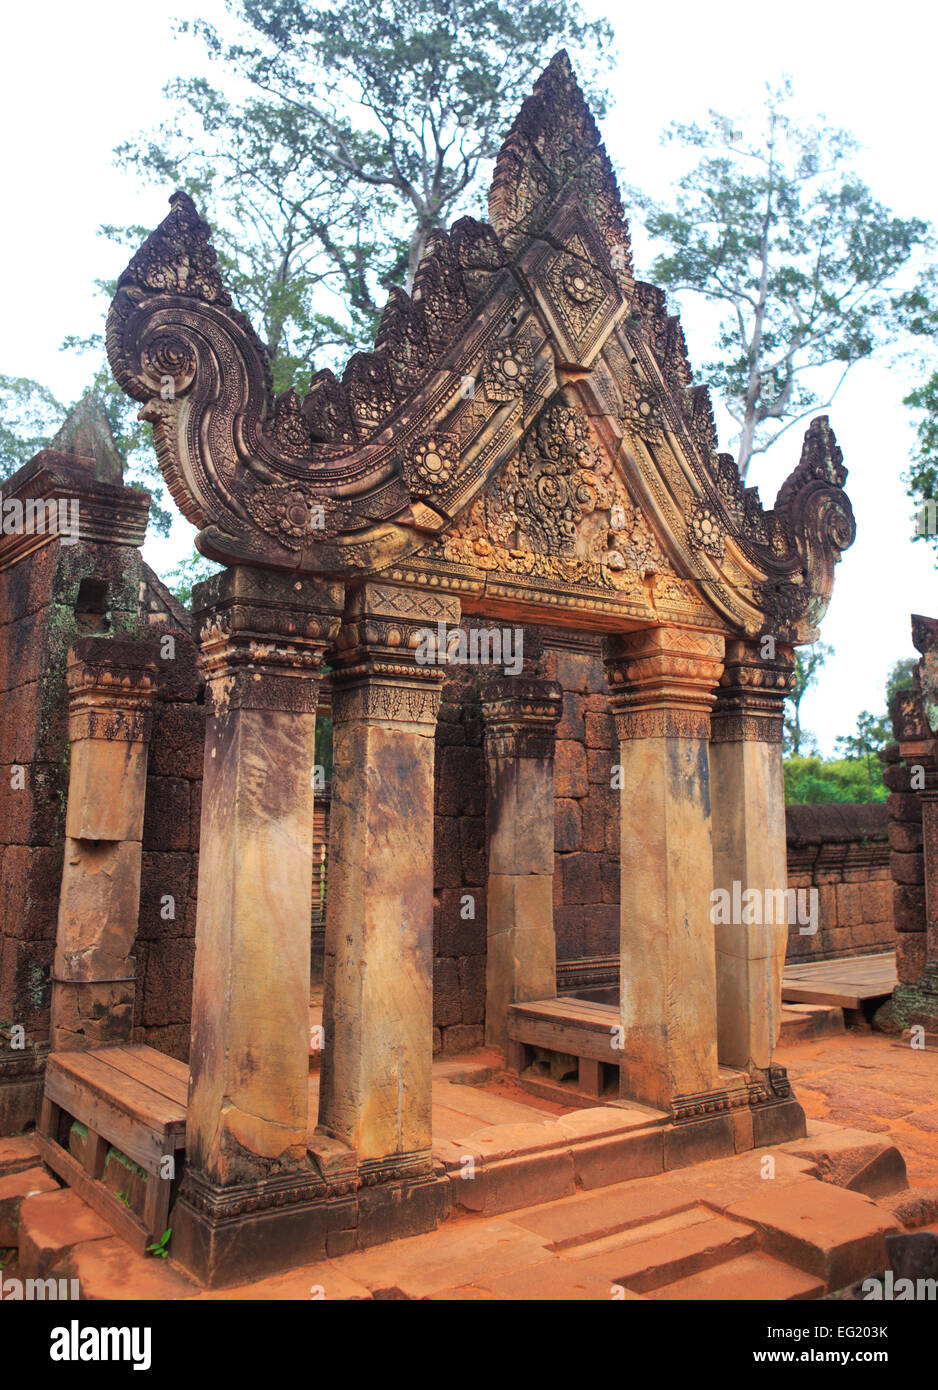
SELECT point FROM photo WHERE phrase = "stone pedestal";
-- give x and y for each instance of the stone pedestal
(263, 635)
(112, 687)
(914, 817)
(378, 968)
(521, 715)
(750, 852)
(662, 685)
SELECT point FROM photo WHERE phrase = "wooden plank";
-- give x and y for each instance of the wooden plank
(138, 1101)
(96, 1147)
(594, 1018)
(127, 1061)
(125, 1132)
(117, 1216)
(844, 983)
(599, 1021)
(161, 1060)
(575, 1041)
(156, 1206)
(590, 1076)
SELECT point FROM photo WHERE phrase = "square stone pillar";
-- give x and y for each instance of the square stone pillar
(112, 685)
(521, 715)
(263, 635)
(375, 1091)
(750, 849)
(662, 686)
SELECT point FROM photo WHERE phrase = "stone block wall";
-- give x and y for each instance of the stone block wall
(842, 850)
(907, 865)
(586, 808)
(460, 864)
(165, 949)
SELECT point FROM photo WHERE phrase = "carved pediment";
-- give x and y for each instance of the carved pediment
(526, 397)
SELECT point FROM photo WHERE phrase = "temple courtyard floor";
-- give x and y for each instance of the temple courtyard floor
(794, 1221)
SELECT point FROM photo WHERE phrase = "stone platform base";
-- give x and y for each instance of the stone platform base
(219, 1250)
(21, 1077)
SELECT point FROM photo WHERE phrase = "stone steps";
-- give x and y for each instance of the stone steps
(805, 1022)
(753, 1277)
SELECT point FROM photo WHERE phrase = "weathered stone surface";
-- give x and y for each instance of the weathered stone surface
(15, 1188)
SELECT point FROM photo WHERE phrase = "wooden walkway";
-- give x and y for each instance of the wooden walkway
(845, 983)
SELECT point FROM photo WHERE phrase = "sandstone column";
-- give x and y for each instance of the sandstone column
(521, 715)
(749, 849)
(662, 684)
(112, 686)
(263, 635)
(378, 969)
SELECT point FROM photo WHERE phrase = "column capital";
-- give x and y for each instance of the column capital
(751, 694)
(385, 669)
(521, 715)
(263, 634)
(662, 681)
(112, 684)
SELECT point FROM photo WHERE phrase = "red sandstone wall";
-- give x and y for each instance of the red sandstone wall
(165, 949)
(843, 852)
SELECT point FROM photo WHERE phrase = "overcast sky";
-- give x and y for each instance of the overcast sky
(80, 78)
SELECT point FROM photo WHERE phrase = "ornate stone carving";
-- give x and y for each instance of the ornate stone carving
(431, 464)
(752, 691)
(508, 369)
(521, 715)
(394, 453)
(705, 532)
(662, 681)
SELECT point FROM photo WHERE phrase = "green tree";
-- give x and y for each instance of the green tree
(871, 736)
(817, 780)
(365, 126)
(808, 665)
(921, 479)
(901, 677)
(184, 576)
(775, 229)
(30, 417)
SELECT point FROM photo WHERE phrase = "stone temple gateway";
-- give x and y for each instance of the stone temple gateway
(524, 447)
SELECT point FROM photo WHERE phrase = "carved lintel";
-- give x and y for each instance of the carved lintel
(751, 694)
(521, 716)
(263, 636)
(112, 685)
(662, 681)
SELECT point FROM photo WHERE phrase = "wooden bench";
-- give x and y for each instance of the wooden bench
(133, 1098)
(578, 1028)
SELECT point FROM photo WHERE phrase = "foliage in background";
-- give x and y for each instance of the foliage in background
(921, 478)
(30, 417)
(776, 230)
(857, 773)
(191, 570)
(809, 662)
(337, 138)
(836, 779)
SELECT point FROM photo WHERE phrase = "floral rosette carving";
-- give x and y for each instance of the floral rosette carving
(289, 431)
(705, 532)
(431, 464)
(166, 355)
(296, 517)
(580, 282)
(508, 370)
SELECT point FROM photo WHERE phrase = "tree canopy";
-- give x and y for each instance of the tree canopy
(337, 138)
(775, 229)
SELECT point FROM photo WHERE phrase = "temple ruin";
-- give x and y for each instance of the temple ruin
(523, 457)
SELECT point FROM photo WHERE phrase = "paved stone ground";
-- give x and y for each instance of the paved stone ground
(716, 1231)
(868, 1081)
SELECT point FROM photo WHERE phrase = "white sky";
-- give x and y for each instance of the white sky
(81, 78)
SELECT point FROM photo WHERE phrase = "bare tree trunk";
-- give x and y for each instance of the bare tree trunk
(418, 243)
